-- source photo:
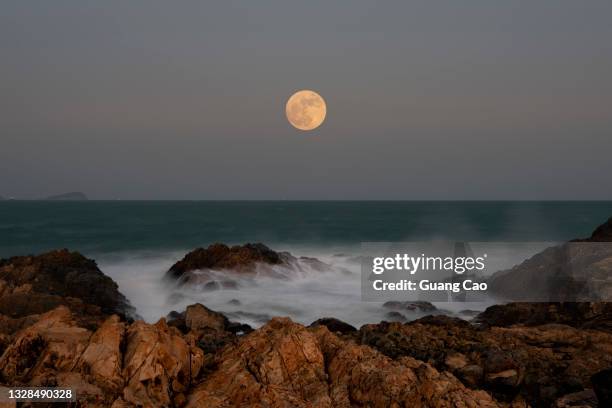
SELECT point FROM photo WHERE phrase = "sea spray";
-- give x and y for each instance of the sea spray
(304, 296)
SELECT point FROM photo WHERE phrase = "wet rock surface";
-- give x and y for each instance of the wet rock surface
(218, 266)
(239, 258)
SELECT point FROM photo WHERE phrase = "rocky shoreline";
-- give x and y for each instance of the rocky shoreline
(64, 323)
(199, 358)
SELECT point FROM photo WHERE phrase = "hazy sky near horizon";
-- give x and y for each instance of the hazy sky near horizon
(426, 100)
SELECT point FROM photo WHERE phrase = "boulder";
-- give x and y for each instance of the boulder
(220, 267)
(199, 317)
(211, 330)
(59, 274)
(239, 258)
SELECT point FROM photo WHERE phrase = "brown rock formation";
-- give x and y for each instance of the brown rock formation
(36, 284)
(586, 315)
(243, 260)
(284, 364)
(135, 365)
(200, 358)
(159, 365)
(436, 361)
(239, 258)
(538, 364)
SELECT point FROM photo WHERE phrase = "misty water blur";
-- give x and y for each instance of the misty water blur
(305, 295)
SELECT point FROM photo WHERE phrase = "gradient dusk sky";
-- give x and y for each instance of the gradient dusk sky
(426, 100)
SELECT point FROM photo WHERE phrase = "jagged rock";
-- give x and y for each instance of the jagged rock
(539, 364)
(198, 317)
(211, 330)
(46, 278)
(197, 359)
(139, 364)
(53, 343)
(285, 364)
(135, 365)
(277, 365)
(159, 364)
(334, 325)
(16, 309)
(101, 361)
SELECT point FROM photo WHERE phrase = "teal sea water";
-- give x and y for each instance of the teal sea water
(95, 227)
(136, 242)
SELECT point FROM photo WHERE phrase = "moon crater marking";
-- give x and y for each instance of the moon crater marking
(306, 110)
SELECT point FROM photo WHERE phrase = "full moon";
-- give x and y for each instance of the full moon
(306, 110)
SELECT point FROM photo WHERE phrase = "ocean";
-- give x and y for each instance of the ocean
(135, 242)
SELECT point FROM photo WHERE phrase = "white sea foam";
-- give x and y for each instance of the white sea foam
(306, 296)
